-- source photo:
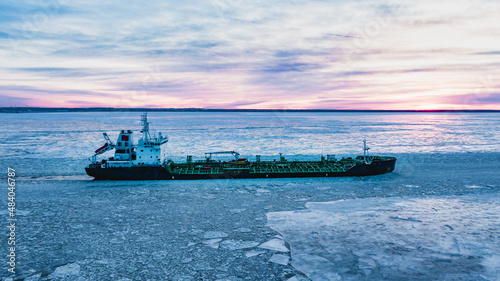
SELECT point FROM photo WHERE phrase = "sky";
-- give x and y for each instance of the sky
(235, 54)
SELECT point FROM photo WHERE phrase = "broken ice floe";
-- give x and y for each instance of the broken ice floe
(236, 211)
(212, 243)
(280, 259)
(298, 278)
(237, 245)
(65, 271)
(214, 234)
(445, 238)
(474, 186)
(253, 253)
(275, 245)
(315, 267)
(302, 199)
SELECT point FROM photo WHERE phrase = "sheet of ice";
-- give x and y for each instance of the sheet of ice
(42, 136)
(212, 243)
(66, 271)
(441, 238)
(492, 263)
(474, 186)
(274, 245)
(236, 211)
(253, 253)
(230, 278)
(34, 277)
(73, 218)
(280, 259)
(315, 266)
(214, 234)
(298, 278)
(237, 245)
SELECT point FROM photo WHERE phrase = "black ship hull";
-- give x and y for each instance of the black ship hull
(376, 167)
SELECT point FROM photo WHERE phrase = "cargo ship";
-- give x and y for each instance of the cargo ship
(146, 160)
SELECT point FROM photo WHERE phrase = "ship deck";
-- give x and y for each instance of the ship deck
(264, 167)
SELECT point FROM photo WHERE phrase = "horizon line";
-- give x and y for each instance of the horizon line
(29, 109)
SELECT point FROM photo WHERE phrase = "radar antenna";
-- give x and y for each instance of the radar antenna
(145, 127)
(366, 158)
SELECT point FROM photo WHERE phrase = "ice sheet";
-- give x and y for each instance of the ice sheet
(442, 238)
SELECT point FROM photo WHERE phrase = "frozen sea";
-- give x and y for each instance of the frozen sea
(436, 217)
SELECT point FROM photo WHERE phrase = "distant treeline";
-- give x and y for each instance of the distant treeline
(112, 109)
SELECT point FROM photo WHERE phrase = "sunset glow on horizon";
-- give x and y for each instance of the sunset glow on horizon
(231, 54)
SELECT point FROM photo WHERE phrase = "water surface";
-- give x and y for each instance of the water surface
(74, 228)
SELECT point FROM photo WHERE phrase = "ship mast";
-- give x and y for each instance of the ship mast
(365, 151)
(145, 127)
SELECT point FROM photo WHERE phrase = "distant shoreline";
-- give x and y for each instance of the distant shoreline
(111, 109)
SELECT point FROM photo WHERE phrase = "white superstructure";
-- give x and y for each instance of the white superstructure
(149, 151)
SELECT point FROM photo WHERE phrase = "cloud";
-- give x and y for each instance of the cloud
(488, 53)
(8, 101)
(34, 90)
(475, 99)
(224, 53)
(238, 104)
